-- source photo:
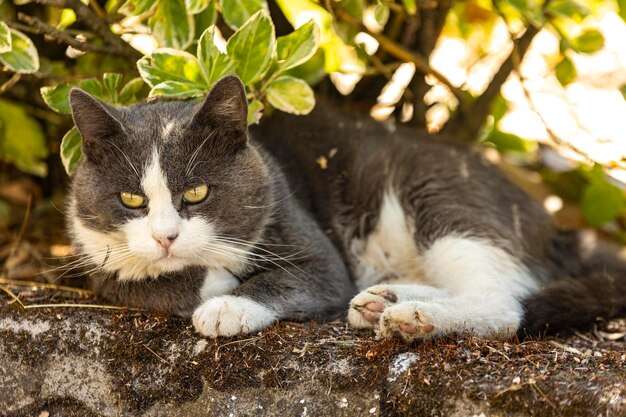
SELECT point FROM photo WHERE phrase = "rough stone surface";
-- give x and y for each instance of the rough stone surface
(75, 361)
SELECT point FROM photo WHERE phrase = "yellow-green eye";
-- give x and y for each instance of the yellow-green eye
(131, 200)
(196, 194)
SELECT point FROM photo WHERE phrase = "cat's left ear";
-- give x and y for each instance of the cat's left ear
(225, 109)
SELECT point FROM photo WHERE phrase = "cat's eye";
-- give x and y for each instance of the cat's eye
(196, 194)
(131, 200)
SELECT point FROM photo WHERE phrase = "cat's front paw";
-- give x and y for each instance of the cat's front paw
(407, 320)
(367, 306)
(230, 315)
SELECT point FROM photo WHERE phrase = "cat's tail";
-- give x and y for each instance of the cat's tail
(592, 284)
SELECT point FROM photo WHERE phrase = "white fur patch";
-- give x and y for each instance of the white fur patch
(458, 284)
(389, 251)
(163, 218)
(217, 283)
(230, 315)
(467, 265)
(167, 128)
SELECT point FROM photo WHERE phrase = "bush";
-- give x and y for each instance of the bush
(123, 51)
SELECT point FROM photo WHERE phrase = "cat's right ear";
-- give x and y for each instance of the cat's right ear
(225, 110)
(94, 120)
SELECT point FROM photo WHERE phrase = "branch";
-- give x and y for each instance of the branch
(94, 22)
(404, 54)
(60, 36)
(10, 83)
(465, 126)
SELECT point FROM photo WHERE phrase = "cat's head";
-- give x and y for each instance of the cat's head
(167, 184)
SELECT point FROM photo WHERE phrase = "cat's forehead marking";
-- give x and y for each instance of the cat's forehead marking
(163, 217)
(153, 182)
(167, 128)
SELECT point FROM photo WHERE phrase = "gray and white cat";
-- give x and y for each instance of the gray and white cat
(178, 207)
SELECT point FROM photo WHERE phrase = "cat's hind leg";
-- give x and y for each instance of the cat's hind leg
(485, 284)
(367, 307)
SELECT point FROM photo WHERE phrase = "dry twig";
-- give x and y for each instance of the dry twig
(52, 32)
(404, 54)
(116, 46)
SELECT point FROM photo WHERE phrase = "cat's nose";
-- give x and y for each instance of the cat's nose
(165, 241)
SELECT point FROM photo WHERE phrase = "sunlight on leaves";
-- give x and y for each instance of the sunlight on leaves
(23, 56)
(170, 65)
(291, 95)
(237, 12)
(71, 152)
(213, 63)
(22, 141)
(253, 47)
(171, 25)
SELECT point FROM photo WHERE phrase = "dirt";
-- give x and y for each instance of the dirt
(98, 361)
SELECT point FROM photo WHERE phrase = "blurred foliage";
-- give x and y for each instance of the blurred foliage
(124, 51)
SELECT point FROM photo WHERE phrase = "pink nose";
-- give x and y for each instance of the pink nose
(165, 241)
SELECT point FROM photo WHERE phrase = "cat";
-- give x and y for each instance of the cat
(179, 206)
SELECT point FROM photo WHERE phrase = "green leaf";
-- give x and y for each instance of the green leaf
(68, 17)
(568, 184)
(111, 81)
(57, 97)
(92, 86)
(71, 150)
(621, 9)
(312, 71)
(568, 9)
(565, 71)
(253, 47)
(291, 95)
(297, 47)
(5, 213)
(255, 111)
(137, 7)
(171, 65)
(5, 38)
(171, 25)
(176, 89)
(113, 6)
(410, 6)
(354, 7)
(622, 90)
(588, 42)
(22, 141)
(521, 5)
(237, 12)
(196, 6)
(23, 56)
(338, 56)
(205, 19)
(131, 92)
(213, 63)
(381, 14)
(508, 142)
(601, 203)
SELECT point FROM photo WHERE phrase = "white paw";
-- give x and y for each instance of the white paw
(410, 320)
(230, 315)
(367, 306)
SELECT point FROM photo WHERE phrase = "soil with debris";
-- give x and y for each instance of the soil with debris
(89, 361)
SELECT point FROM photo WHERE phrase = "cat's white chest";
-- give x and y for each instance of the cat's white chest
(389, 252)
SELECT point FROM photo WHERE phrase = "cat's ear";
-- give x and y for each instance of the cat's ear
(225, 109)
(95, 120)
